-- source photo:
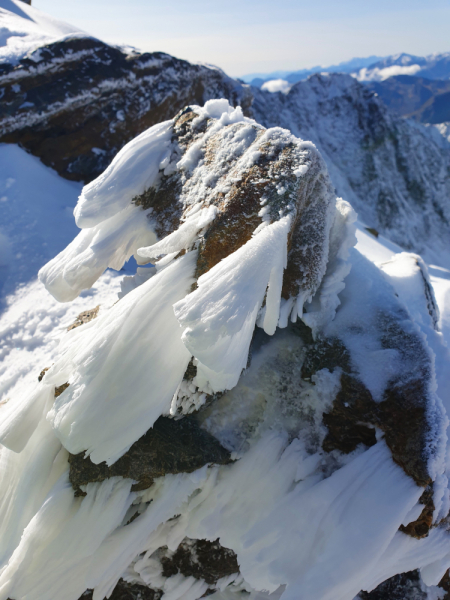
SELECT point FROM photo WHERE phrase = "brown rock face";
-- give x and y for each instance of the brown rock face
(270, 181)
(84, 317)
(85, 100)
(420, 528)
(169, 447)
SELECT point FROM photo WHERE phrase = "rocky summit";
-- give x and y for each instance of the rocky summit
(260, 389)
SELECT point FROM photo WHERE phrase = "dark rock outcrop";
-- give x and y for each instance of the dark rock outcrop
(129, 591)
(401, 415)
(75, 103)
(405, 586)
(171, 446)
(445, 585)
(201, 559)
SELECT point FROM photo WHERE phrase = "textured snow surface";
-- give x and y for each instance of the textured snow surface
(23, 28)
(304, 523)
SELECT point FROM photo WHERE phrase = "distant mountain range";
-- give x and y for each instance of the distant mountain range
(434, 66)
(350, 66)
(411, 86)
(425, 100)
(371, 68)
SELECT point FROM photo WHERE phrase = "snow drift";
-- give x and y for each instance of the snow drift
(317, 379)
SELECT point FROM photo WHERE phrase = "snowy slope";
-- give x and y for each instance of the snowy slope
(36, 222)
(36, 218)
(23, 28)
(302, 521)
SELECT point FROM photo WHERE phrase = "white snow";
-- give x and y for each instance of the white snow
(276, 85)
(24, 28)
(377, 74)
(113, 228)
(91, 414)
(219, 316)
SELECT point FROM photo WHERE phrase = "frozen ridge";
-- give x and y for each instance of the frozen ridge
(264, 410)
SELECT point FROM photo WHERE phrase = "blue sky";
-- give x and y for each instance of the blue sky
(247, 36)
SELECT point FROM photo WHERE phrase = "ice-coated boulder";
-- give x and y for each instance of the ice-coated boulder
(262, 412)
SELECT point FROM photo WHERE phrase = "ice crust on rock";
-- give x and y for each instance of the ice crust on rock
(219, 316)
(219, 163)
(252, 257)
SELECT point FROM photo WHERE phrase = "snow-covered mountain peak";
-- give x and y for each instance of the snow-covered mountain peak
(393, 171)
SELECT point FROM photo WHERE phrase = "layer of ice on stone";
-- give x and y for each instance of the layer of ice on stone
(303, 522)
(113, 228)
(118, 368)
(219, 316)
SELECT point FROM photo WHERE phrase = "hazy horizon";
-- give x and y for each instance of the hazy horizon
(260, 36)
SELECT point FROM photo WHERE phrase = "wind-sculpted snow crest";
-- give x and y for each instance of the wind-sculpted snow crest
(262, 407)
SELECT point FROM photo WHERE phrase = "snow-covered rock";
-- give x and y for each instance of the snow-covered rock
(315, 382)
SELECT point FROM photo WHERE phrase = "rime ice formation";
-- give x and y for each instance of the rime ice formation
(262, 413)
